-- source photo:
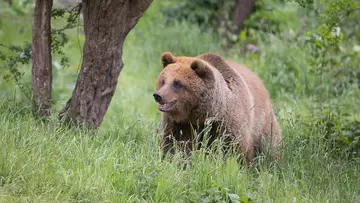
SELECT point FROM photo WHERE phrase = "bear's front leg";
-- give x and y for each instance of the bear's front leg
(167, 145)
(176, 135)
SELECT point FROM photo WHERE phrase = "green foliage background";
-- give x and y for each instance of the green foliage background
(311, 73)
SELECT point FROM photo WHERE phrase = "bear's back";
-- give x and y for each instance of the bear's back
(219, 63)
(231, 70)
(262, 109)
(253, 81)
(238, 76)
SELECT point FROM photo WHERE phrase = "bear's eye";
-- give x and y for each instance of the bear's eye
(177, 84)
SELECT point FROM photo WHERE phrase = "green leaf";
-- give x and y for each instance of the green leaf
(318, 44)
(245, 200)
(242, 35)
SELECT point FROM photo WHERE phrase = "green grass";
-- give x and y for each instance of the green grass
(44, 162)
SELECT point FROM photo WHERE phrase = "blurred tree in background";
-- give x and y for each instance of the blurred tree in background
(41, 58)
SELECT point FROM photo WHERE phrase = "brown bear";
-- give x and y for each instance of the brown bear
(191, 91)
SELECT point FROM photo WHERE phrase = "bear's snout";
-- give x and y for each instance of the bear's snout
(157, 97)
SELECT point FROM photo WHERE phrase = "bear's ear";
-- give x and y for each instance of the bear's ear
(167, 58)
(200, 68)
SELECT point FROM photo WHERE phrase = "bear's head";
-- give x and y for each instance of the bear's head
(182, 85)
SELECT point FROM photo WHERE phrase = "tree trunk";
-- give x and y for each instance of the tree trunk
(243, 9)
(106, 25)
(9, 2)
(41, 58)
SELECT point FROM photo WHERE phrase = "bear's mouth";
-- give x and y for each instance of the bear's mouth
(166, 106)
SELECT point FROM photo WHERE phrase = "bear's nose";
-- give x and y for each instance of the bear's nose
(157, 97)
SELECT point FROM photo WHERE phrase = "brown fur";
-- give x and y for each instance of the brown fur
(208, 87)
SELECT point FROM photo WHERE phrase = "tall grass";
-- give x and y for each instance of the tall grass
(45, 162)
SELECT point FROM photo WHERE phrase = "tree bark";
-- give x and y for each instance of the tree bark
(106, 25)
(243, 8)
(41, 58)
